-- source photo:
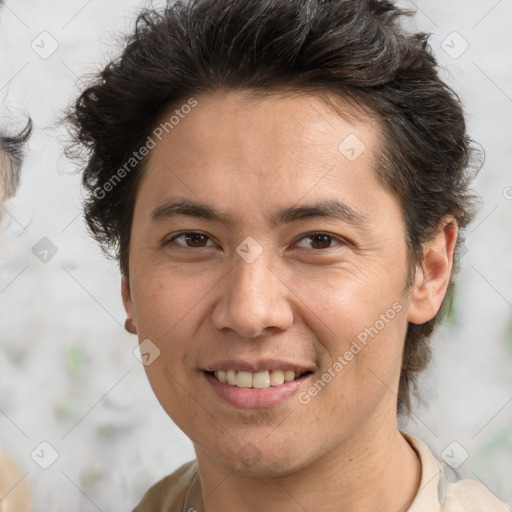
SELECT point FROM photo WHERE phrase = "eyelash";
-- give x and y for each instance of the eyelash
(307, 235)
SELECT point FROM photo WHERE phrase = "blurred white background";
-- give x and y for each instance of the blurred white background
(68, 374)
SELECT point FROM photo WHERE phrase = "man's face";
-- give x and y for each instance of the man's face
(251, 290)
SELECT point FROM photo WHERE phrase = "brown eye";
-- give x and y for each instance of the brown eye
(191, 239)
(196, 239)
(319, 241)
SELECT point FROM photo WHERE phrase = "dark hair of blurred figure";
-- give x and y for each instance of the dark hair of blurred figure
(11, 156)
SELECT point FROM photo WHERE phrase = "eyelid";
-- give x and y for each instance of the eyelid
(311, 234)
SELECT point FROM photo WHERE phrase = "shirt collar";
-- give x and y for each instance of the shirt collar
(431, 493)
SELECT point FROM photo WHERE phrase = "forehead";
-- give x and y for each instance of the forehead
(247, 151)
(285, 120)
(277, 135)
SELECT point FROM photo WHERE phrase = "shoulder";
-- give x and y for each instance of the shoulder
(437, 494)
(168, 494)
(469, 496)
(14, 490)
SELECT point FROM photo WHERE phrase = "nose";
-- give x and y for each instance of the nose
(254, 298)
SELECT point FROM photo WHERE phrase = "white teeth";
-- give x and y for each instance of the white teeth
(258, 380)
(231, 377)
(244, 379)
(261, 380)
(276, 377)
(289, 375)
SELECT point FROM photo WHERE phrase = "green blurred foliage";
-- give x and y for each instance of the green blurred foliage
(76, 361)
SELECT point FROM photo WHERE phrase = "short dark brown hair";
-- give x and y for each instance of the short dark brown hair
(352, 49)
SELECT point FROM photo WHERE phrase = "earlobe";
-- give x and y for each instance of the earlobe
(126, 294)
(433, 274)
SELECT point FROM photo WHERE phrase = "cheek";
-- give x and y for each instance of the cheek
(348, 299)
(163, 302)
(360, 325)
(166, 316)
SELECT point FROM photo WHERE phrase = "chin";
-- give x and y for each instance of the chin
(258, 460)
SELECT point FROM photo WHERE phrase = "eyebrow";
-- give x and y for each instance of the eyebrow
(329, 209)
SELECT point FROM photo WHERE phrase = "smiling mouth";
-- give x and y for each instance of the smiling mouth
(259, 380)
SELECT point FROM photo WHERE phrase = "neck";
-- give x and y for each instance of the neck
(373, 472)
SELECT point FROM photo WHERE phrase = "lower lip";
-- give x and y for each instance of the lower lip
(252, 398)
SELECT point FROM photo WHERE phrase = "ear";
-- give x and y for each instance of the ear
(126, 293)
(433, 275)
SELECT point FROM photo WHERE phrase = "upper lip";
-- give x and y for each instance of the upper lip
(257, 366)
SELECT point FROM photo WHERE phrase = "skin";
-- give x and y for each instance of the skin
(302, 300)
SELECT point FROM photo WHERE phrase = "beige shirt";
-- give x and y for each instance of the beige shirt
(435, 493)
